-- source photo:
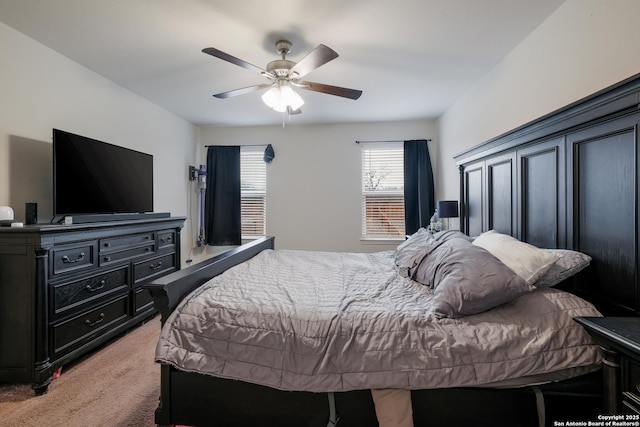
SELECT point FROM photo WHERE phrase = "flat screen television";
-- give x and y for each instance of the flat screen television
(94, 177)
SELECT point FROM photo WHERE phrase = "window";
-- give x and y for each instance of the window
(253, 191)
(382, 190)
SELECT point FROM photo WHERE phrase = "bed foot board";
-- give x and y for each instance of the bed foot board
(169, 290)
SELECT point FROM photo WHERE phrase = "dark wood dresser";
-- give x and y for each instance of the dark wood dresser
(619, 338)
(65, 289)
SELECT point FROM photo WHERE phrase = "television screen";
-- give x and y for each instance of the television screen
(94, 177)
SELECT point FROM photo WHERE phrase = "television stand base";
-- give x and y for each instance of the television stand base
(88, 218)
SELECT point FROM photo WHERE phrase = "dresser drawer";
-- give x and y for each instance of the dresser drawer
(67, 296)
(124, 242)
(154, 267)
(166, 239)
(142, 300)
(114, 257)
(85, 327)
(73, 258)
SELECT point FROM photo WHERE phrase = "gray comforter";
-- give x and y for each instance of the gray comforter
(315, 321)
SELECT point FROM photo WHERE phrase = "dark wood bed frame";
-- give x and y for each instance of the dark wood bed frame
(567, 180)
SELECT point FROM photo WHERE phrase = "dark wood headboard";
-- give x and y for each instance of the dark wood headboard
(567, 180)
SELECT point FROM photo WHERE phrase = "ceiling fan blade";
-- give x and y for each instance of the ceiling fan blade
(242, 91)
(330, 90)
(314, 59)
(232, 59)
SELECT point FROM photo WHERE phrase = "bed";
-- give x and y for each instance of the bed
(543, 183)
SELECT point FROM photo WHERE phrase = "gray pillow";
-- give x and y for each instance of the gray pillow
(466, 279)
(569, 263)
(451, 234)
(410, 252)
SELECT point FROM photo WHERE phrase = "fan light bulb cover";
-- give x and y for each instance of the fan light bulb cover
(282, 96)
(271, 96)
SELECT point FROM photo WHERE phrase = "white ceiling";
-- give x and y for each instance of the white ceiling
(411, 58)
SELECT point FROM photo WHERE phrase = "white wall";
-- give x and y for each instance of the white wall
(585, 46)
(41, 89)
(314, 183)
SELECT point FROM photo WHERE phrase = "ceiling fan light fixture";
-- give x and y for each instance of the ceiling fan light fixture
(282, 96)
(291, 97)
(270, 97)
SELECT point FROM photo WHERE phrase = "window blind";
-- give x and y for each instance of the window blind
(253, 190)
(382, 190)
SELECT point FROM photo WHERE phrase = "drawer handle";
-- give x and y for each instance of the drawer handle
(107, 258)
(96, 288)
(147, 249)
(68, 260)
(92, 324)
(165, 239)
(155, 267)
(107, 244)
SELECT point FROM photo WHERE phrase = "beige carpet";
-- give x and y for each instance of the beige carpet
(118, 385)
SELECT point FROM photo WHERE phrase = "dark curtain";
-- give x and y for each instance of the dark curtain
(222, 197)
(419, 199)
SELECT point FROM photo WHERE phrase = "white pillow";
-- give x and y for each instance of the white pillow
(569, 263)
(524, 259)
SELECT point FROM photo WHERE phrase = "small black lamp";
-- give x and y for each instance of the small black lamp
(448, 209)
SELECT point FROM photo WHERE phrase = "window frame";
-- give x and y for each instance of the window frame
(395, 189)
(252, 156)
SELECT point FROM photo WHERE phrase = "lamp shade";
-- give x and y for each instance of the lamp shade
(448, 208)
(6, 213)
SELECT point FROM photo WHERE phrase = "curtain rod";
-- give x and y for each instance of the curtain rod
(238, 145)
(389, 140)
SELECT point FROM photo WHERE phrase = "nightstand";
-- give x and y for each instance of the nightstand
(619, 338)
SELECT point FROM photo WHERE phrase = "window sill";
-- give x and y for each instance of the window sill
(381, 241)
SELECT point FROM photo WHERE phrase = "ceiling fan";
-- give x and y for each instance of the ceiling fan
(284, 75)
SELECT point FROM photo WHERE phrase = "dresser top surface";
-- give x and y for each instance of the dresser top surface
(53, 228)
(621, 331)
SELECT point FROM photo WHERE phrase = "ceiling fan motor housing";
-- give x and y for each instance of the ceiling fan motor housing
(280, 67)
